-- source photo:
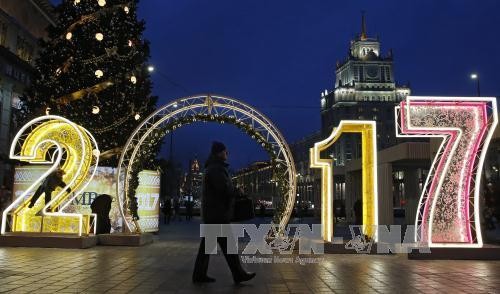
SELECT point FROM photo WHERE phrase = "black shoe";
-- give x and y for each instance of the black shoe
(205, 279)
(243, 277)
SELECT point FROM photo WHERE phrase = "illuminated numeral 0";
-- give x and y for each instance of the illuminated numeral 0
(444, 215)
(53, 140)
(368, 132)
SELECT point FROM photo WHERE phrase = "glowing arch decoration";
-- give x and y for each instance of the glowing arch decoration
(211, 108)
(56, 141)
(368, 131)
(448, 210)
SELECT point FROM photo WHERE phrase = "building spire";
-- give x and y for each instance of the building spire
(363, 26)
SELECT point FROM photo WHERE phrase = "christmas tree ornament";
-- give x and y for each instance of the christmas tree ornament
(95, 109)
(137, 116)
(126, 9)
(101, 2)
(69, 35)
(99, 36)
(133, 79)
(99, 73)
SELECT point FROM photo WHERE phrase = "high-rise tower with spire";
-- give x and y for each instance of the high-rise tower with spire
(364, 89)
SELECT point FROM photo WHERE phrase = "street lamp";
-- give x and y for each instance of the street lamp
(475, 76)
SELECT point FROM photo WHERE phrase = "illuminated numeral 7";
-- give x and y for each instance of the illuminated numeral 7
(444, 217)
(368, 131)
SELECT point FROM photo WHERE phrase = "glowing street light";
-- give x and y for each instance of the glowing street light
(475, 76)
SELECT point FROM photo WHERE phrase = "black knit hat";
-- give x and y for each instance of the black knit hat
(217, 147)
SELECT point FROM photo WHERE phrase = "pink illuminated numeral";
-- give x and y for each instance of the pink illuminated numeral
(448, 210)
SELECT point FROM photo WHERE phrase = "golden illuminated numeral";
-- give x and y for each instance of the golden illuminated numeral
(368, 132)
(55, 141)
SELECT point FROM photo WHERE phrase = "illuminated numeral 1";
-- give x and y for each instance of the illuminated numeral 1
(444, 216)
(368, 132)
(55, 141)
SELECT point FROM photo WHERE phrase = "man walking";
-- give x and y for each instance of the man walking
(216, 208)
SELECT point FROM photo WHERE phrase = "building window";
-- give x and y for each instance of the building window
(24, 49)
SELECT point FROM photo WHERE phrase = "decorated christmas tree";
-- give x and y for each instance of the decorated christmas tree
(93, 70)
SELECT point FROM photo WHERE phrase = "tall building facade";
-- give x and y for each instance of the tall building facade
(365, 89)
(22, 24)
(193, 180)
(257, 181)
(308, 179)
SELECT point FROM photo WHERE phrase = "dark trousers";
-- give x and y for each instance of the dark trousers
(166, 218)
(38, 192)
(201, 265)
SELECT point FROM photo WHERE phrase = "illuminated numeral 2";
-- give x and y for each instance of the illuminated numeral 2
(53, 140)
(368, 131)
(444, 217)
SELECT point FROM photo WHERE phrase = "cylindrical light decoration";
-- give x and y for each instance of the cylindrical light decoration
(99, 73)
(137, 116)
(99, 36)
(95, 109)
(133, 79)
(101, 2)
(126, 9)
(69, 35)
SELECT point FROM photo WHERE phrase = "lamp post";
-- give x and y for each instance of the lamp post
(475, 76)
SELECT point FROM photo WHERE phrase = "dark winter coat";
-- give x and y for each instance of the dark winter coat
(53, 181)
(218, 192)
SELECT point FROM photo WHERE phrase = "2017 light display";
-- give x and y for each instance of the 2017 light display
(368, 131)
(56, 141)
(448, 211)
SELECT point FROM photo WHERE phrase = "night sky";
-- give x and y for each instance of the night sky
(279, 55)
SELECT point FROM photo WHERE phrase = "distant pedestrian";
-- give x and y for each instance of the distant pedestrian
(305, 208)
(262, 209)
(358, 212)
(189, 210)
(101, 206)
(177, 209)
(216, 208)
(167, 211)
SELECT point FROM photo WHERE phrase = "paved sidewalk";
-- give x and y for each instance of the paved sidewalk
(166, 267)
